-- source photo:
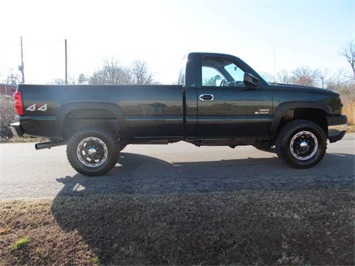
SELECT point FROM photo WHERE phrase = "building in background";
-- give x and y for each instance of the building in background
(7, 90)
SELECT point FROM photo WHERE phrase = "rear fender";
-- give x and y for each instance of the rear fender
(66, 109)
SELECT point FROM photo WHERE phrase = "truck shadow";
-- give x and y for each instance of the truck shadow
(140, 174)
(118, 215)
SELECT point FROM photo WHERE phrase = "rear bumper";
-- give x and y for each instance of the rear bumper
(35, 126)
(337, 126)
(17, 130)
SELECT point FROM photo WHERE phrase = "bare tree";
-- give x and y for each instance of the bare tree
(140, 73)
(283, 77)
(323, 75)
(337, 81)
(12, 79)
(110, 73)
(304, 76)
(113, 73)
(268, 76)
(58, 81)
(82, 79)
(348, 52)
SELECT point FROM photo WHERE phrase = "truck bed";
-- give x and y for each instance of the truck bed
(154, 110)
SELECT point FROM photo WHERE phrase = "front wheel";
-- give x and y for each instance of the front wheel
(301, 143)
(93, 151)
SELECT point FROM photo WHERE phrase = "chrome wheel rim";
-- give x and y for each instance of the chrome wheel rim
(304, 145)
(92, 152)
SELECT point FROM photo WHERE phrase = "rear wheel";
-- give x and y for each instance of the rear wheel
(301, 143)
(93, 151)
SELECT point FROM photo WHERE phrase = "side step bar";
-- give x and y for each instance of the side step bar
(48, 145)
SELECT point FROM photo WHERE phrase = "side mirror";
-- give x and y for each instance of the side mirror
(250, 80)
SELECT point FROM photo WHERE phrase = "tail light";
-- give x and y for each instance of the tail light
(18, 102)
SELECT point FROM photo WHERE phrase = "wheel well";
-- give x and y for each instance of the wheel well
(315, 115)
(81, 118)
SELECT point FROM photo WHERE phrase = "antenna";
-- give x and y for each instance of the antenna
(66, 61)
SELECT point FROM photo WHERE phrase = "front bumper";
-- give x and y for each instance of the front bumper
(337, 126)
(17, 130)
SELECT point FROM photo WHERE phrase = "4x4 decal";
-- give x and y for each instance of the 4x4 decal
(37, 107)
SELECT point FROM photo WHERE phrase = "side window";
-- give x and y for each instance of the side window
(222, 72)
(211, 77)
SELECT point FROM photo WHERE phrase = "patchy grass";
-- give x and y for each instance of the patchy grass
(240, 228)
(21, 243)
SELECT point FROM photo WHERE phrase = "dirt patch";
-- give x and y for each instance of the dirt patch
(283, 227)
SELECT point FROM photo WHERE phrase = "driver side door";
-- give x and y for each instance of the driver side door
(227, 108)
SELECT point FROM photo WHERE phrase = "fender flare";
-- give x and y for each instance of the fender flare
(282, 108)
(65, 109)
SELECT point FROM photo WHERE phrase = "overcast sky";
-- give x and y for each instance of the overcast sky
(269, 35)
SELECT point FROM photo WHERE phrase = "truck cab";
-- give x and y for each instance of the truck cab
(226, 99)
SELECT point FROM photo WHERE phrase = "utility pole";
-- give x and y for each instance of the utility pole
(66, 62)
(275, 60)
(22, 66)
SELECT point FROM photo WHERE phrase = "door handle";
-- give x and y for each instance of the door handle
(206, 97)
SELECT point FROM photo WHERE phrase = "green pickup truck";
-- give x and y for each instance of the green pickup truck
(219, 100)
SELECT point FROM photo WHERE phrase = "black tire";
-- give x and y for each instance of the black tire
(301, 143)
(93, 151)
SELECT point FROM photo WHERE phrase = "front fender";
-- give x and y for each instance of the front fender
(284, 107)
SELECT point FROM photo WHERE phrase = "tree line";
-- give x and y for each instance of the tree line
(112, 72)
(322, 78)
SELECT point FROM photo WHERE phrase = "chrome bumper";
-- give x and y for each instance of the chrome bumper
(16, 129)
(337, 126)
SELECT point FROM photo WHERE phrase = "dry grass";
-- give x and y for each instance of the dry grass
(241, 228)
(351, 129)
(349, 111)
(24, 139)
